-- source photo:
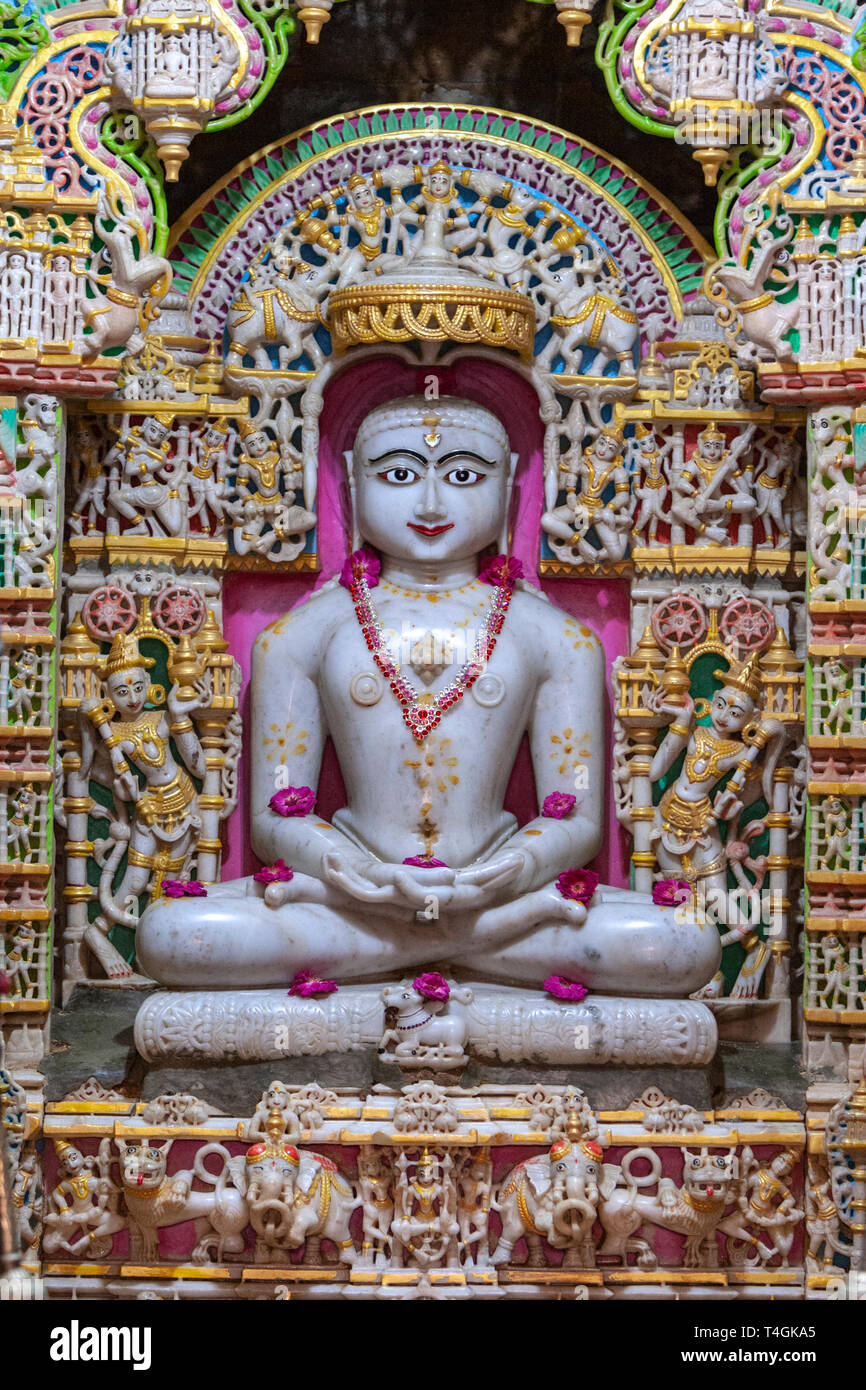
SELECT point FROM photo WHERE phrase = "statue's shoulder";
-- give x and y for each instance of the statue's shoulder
(310, 621)
(532, 606)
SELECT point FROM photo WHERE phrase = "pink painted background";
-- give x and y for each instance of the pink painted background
(251, 601)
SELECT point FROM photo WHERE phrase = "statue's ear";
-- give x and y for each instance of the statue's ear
(349, 460)
(505, 533)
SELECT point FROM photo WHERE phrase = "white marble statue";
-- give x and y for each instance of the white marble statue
(423, 864)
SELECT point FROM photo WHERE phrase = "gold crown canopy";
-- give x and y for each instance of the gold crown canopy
(712, 432)
(743, 675)
(125, 656)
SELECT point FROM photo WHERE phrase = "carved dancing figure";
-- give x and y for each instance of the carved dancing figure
(16, 287)
(686, 833)
(148, 493)
(437, 213)
(836, 971)
(376, 1179)
(650, 485)
(600, 469)
(425, 1221)
(61, 301)
(587, 308)
(772, 484)
(768, 1204)
(837, 831)
(23, 676)
(838, 695)
(89, 504)
(126, 295)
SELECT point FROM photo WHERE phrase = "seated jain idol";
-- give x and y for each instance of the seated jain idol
(426, 662)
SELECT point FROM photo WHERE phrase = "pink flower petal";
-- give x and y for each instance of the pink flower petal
(578, 884)
(558, 805)
(432, 985)
(293, 801)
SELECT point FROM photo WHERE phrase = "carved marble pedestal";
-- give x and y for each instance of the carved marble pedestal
(505, 1025)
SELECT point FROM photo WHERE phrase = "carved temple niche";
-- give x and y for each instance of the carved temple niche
(657, 412)
(556, 287)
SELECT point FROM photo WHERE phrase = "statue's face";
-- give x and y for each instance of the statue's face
(423, 501)
(72, 1160)
(439, 184)
(606, 448)
(257, 444)
(363, 197)
(16, 262)
(128, 690)
(712, 449)
(154, 432)
(61, 263)
(731, 710)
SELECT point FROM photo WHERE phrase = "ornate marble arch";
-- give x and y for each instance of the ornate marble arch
(662, 257)
(429, 232)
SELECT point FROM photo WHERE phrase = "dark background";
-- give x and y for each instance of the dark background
(504, 53)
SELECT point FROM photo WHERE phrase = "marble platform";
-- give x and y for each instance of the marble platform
(505, 1025)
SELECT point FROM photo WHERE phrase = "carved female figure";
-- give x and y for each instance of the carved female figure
(163, 825)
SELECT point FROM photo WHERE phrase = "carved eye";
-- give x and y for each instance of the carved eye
(400, 476)
(463, 477)
(721, 1163)
(696, 1163)
(591, 1169)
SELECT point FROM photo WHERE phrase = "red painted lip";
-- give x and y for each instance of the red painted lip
(430, 530)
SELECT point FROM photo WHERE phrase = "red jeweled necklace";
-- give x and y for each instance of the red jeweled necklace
(423, 712)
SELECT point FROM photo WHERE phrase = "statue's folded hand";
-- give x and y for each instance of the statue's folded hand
(371, 881)
(479, 885)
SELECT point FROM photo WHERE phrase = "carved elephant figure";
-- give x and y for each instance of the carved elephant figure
(155, 1199)
(277, 309)
(554, 1197)
(322, 1208)
(269, 1177)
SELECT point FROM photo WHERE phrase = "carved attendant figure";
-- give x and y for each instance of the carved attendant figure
(164, 820)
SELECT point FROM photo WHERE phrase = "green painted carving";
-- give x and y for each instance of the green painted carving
(21, 32)
(619, 17)
(125, 136)
(274, 25)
